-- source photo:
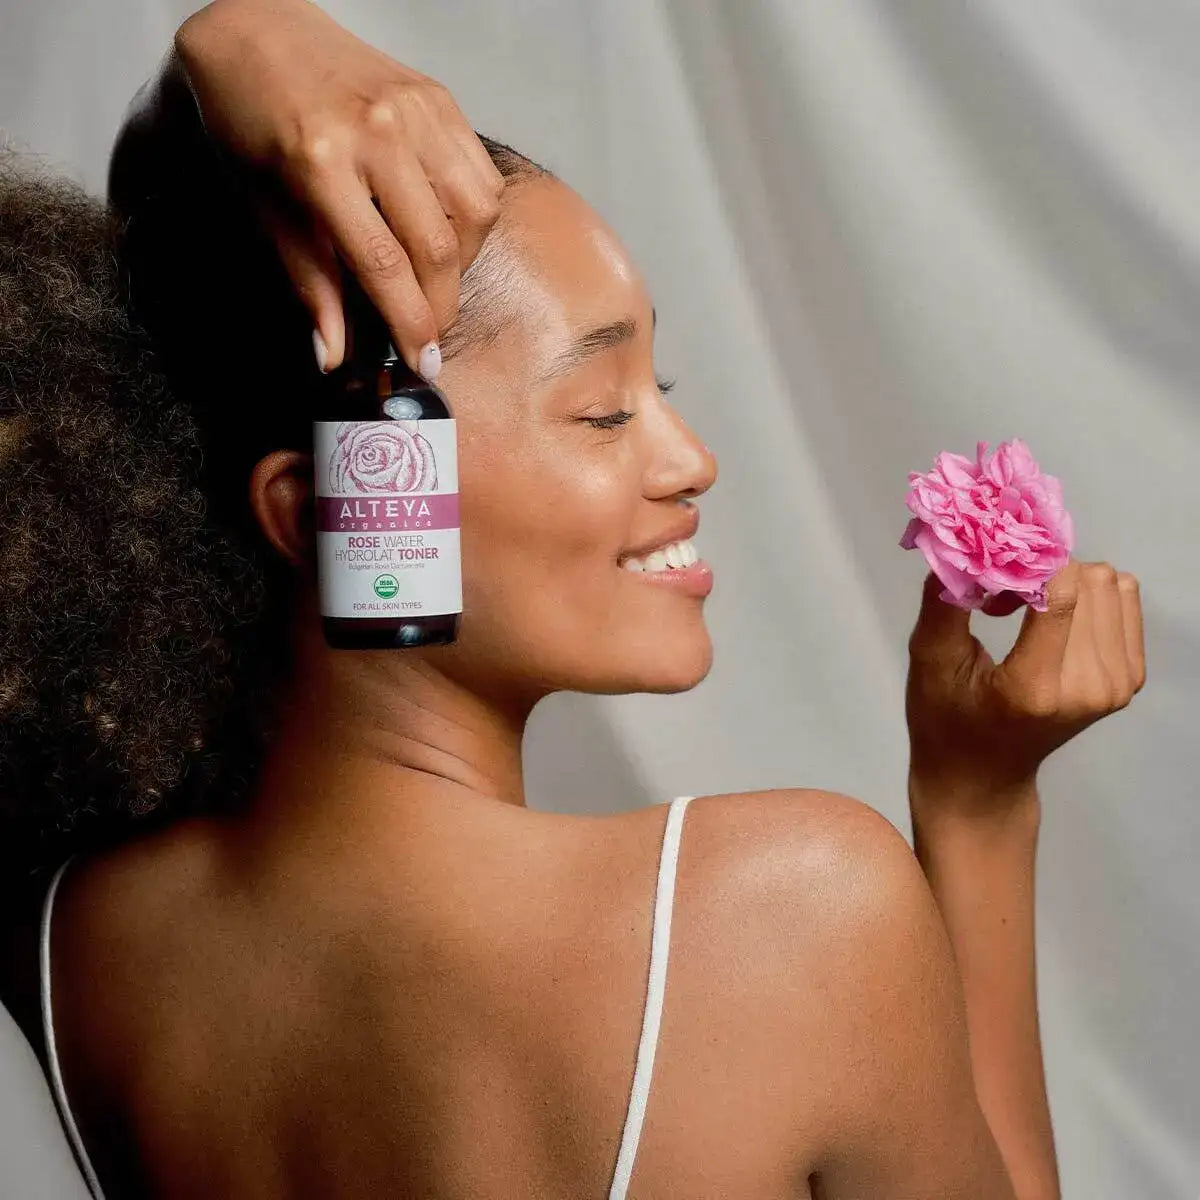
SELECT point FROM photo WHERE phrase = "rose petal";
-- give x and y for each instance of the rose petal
(956, 470)
(997, 524)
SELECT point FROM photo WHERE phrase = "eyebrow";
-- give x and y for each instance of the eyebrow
(603, 337)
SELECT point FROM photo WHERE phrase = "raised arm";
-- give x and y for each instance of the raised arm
(979, 732)
(939, 1086)
(360, 158)
(982, 877)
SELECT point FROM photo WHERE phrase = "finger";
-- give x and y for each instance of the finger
(1003, 604)
(1131, 621)
(943, 631)
(474, 183)
(381, 265)
(311, 264)
(1108, 629)
(472, 208)
(468, 187)
(414, 215)
(1086, 685)
(1038, 654)
(477, 155)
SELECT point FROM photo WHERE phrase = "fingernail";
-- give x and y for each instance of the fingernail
(429, 362)
(320, 350)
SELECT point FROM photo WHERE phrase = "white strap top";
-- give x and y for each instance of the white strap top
(660, 945)
(56, 1081)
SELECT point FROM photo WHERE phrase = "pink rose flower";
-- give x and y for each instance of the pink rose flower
(381, 456)
(994, 525)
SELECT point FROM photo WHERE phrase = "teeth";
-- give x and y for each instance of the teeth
(674, 557)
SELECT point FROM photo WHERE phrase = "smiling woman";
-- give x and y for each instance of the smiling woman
(571, 461)
(313, 942)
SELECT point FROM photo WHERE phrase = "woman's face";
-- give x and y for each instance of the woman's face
(559, 487)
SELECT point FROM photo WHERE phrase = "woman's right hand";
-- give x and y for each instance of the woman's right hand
(979, 730)
(340, 125)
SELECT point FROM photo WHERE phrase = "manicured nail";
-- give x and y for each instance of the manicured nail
(320, 350)
(429, 362)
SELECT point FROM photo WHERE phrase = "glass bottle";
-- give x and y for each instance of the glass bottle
(386, 496)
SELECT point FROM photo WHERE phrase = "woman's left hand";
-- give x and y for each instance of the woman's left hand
(342, 126)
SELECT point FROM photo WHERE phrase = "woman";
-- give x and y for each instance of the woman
(347, 959)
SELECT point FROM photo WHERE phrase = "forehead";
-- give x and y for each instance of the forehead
(569, 270)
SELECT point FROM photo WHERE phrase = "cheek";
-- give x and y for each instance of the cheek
(533, 510)
(586, 520)
(541, 534)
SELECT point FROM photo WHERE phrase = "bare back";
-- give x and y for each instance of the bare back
(466, 1024)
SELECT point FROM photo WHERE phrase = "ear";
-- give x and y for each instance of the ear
(281, 495)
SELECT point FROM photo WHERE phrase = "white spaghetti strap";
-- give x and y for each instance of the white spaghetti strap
(660, 945)
(56, 1081)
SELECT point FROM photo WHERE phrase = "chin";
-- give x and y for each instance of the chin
(674, 672)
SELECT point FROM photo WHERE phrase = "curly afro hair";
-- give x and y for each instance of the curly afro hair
(135, 639)
(150, 353)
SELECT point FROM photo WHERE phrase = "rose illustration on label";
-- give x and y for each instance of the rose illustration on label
(381, 456)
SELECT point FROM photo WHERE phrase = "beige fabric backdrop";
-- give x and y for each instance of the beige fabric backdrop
(872, 230)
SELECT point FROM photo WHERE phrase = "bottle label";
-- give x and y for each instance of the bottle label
(387, 518)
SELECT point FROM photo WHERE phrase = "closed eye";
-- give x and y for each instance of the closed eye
(610, 420)
(622, 416)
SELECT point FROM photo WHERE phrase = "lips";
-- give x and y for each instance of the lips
(695, 580)
(671, 561)
(682, 532)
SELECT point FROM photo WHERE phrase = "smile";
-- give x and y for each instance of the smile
(674, 557)
(676, 567)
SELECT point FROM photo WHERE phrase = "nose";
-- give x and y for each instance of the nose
(681, 465)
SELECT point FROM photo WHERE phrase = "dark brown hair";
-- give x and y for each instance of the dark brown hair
(149, 354)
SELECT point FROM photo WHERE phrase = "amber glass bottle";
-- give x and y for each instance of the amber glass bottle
(386, 494)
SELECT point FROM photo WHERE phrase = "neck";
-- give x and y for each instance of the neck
(367, 741)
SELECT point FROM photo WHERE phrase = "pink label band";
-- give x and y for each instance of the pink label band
(413, 510)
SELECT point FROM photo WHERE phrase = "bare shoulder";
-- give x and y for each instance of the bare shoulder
(815, 889)
(842, 954)
(130, 893)
(788, 845)
(828, 890)
(122, 916)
